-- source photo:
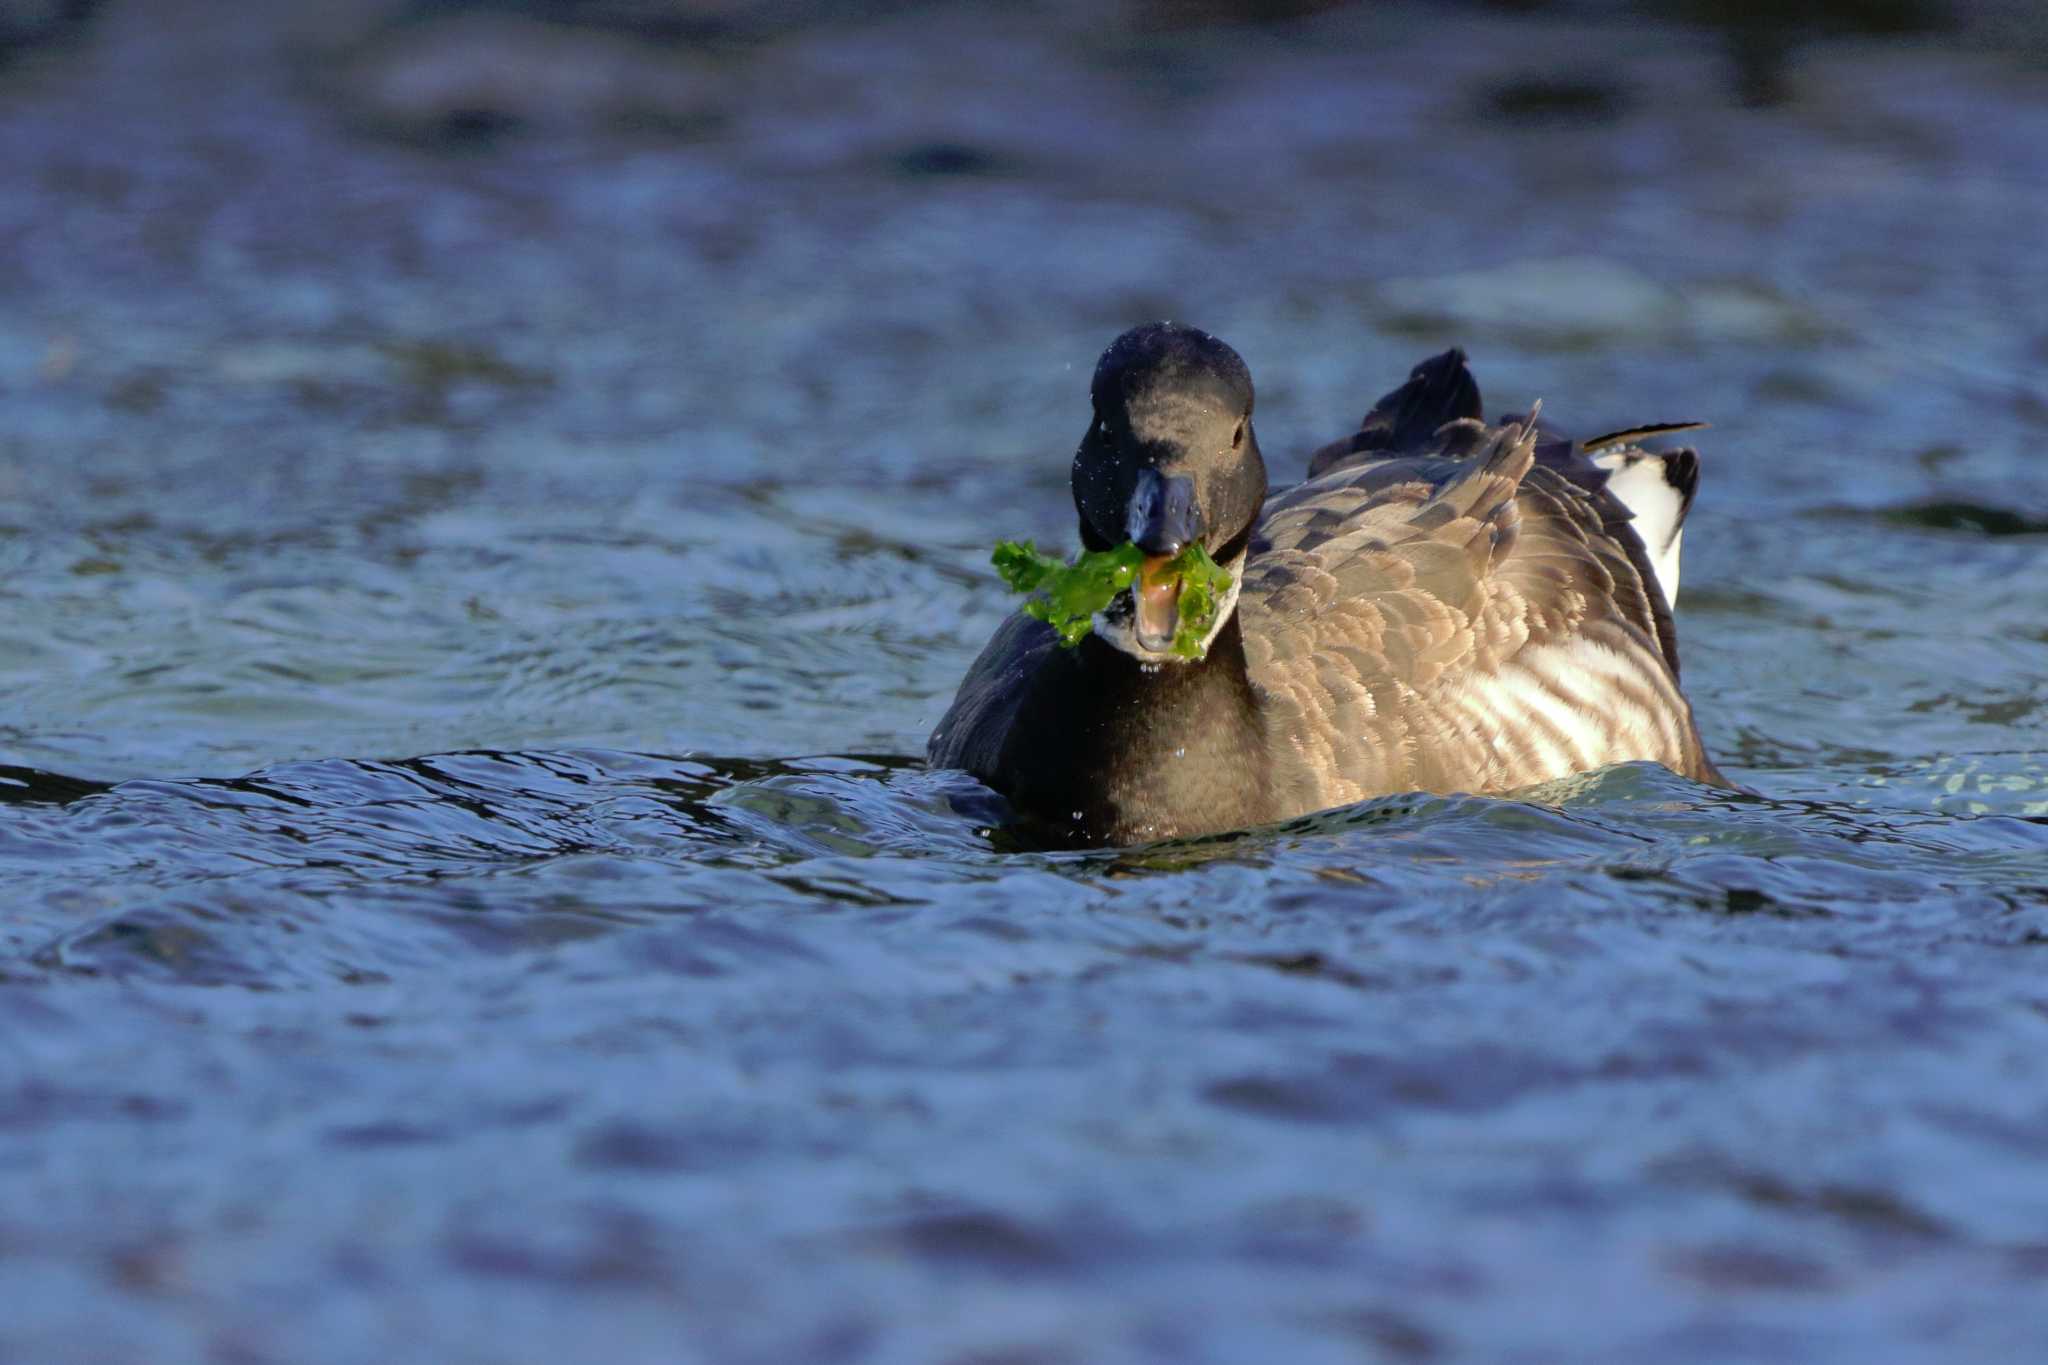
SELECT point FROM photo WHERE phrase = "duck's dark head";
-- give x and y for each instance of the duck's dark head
(1169, 459)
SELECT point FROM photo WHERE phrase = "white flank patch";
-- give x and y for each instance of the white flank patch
(1637, 479)
(1595, 671)
(1528, 684)
(1565, 707)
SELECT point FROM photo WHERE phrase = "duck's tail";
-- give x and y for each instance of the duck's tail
(1657, 487)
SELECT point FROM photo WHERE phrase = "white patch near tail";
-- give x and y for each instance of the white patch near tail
(1657, 488)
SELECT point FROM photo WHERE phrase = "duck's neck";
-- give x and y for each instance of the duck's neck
(1108, 750)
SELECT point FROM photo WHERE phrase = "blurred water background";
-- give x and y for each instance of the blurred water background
(493, 497)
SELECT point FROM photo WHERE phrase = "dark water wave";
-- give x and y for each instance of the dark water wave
(349, 870)
(288, 874)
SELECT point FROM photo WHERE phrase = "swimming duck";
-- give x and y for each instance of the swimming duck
(1441, 606)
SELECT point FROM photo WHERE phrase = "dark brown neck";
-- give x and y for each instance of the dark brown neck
(1106, 750)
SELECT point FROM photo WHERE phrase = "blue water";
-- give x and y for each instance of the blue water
(471, 604)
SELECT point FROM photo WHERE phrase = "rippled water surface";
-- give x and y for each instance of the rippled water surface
(474, 584)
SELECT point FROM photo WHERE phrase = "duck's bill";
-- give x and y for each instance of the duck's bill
(1155, 594)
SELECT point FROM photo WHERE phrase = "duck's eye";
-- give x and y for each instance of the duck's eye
(1237, 437)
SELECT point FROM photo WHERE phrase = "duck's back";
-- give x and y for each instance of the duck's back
(1466, 610)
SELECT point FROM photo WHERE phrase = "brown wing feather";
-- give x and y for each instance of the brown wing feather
(1438, 624)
